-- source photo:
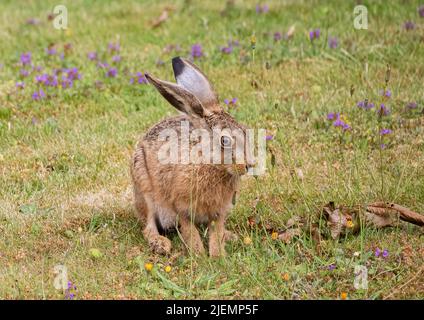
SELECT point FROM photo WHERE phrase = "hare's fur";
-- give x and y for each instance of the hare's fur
(184, 195)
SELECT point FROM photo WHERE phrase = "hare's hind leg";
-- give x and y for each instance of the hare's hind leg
(159, 244)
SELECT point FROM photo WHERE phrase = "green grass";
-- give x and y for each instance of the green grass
(65, 184)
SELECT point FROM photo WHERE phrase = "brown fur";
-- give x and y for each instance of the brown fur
(184, 195)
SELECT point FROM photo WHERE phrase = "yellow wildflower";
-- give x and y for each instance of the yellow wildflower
(247, 241)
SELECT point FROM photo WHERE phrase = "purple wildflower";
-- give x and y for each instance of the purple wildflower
(51, 81)
(66, 82)
(421, 11)
(20, 85)
(26, 58)
(331, 267)
(383, 146)
(196, 51)
(41, 78)
(314, 34)
(230, 103)
(51, 51)
(383, 110)
(116, 58)
(32, 21)
(38, 95)
(73, 74)
(317, 33)
(333, 42)
(69, 294)
(24, 73)
(345, 126)
(102, 65)
(37, 68)
(67, 46)
(112, 72)
(383, 132)
(338, 122)
(411, 105)
(277, 36)
(331, 116)
(92, 56)
(262, 8)
(227, 50)
(114, 47)
(386, 93)
(140, 77)
(269, 137)
(377, 252)
(409, 25)
(385, 253)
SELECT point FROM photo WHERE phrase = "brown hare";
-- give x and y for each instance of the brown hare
(188, 192)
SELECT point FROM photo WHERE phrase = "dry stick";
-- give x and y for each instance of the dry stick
(404, 213)
(398, 288)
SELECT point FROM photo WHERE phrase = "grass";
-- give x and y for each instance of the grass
(64, 160)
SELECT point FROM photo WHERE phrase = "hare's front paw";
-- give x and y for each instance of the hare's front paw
(216, 251)
(196, 247)
(230, 236)
(160, 245)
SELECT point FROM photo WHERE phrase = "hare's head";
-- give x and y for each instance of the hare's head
(194, 96)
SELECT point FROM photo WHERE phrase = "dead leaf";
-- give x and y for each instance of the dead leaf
(253, 221)
(389, 208)
(289, 234)
(293, 221)
(290, 32)
(379, 221)
(162, 18)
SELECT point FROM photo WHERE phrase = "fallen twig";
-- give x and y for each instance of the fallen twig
(405, 214)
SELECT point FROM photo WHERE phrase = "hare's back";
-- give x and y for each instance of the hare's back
(174, 123)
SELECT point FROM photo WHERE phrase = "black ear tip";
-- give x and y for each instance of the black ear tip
(177, 65)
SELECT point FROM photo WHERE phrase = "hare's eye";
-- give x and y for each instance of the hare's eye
(226, 141)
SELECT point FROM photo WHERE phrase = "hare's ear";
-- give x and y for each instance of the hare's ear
(179, 97)
(192, 79)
